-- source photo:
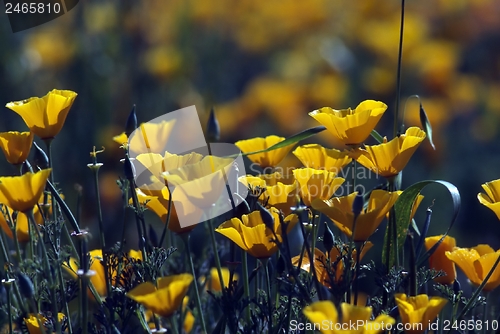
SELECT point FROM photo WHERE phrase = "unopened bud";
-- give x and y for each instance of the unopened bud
(266, 216)
(128, 169)
(40, 158)
(328, 238)
(25, 286)
(213, 128)
(358, 203)
(456, 287)
(131, 124)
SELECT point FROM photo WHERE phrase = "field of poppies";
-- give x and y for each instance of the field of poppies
(289, 235)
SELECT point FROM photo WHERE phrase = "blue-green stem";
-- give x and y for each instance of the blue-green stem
(398, 75)
(246, 285)
(185, 238)
(173, 327)
(269, 302)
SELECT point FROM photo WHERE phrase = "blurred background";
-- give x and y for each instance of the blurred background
(263, 65)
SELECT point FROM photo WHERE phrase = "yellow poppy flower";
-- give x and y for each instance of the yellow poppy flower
(21, 193)
(213, 283)
(323, 317)
(339, 210)
(388, 159)
(159, 205)
(165, 298)
(267, 159)
(318, 157)
(333, 265)
(121, 139)
(439, 261)
(189, 319)
(273, 178)
(316, 184)
(476, 263)
(16, 146)
(281, 196)
(252, 181)
(417, 312)
(253, 236)
(45, 116)
(351, 127)
(492, 197)
(33, 322)
(150, 137)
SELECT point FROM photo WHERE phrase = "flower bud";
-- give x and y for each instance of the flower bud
(328, 238)
(25, 286)
(40, 158)
(128, 169)
(213, 128)
(131, 124)
(358, 203)
(266, 216)
(456, 287)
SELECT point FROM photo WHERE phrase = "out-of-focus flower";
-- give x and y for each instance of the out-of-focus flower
(189, 319)
(417, 312)
(267, 159)
(330, 269)
(162, 61)
(388, 159)
(316, 184)
(45, 116)
(21, 193)
(213, 283)
(322, 312)
(253, 236)
(476, 263)
(50, 48)
(164, 298)
(350, 126)
(439, 261)
(150, 137)
(492, 197)
(33, 322)
(339, 210)
(318, 157)
(16, 146)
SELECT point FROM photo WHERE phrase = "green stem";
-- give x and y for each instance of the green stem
(173, 327)
(9, 306)
(398, 75)
(185, 238)
(246, 284)
(269, 303)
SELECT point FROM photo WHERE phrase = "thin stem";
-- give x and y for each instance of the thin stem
(173, 327)
(246, 285)
(268, 285)
(9, 307)
(398, 78)
(185, 238)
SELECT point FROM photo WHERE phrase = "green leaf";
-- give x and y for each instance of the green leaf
(288, 141)
(378, 137)
(424, 120)
(403, 208)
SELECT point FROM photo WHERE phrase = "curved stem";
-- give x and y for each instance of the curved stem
(398, 78)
